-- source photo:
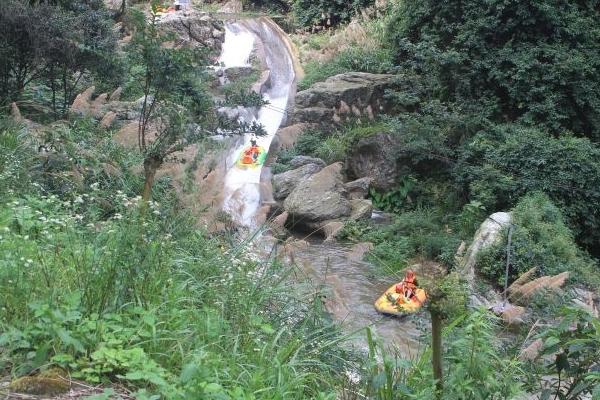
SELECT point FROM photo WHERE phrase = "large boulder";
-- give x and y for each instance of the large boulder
(299, 161)
(342, 97)
(359, 189)
(286, 182)
(193, 29)
(487, 235)
(322, 197)
(375, 157)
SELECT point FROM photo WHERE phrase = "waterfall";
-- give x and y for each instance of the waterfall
(242, 191)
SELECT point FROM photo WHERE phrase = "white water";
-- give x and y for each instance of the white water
(242, 194)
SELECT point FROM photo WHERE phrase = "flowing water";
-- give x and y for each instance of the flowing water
(350, 285)
(242, 194)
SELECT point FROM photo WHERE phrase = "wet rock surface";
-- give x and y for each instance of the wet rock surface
(322, 197)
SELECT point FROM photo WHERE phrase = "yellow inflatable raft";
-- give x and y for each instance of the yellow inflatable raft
(393, 303)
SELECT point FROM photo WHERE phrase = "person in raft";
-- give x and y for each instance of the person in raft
(408, 287)
(251, 154)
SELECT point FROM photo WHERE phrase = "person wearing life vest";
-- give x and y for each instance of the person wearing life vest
(408, 287)
(251, 154)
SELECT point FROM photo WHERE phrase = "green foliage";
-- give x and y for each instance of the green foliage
(353, 59)
(326, 12)
(57, 46)
(506, 162)
(537, 63)
(153, 303)
(573, 348)
(540, 239)
(476, 367)
(394, 200)
(414, 234)
(330, 146)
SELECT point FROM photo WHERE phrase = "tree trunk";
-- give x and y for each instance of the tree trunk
(436, 352)
(151, 165)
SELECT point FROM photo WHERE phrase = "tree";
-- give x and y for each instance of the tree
(445, 297)
(536, 62)
(173, 112)
(503, 163)
(327, 12)
(56, 44)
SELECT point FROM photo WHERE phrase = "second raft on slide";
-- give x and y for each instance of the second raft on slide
(393, 303)
(252, 157)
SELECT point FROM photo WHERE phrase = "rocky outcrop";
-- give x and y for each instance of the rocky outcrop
(322, 197)
(286, 182)
(286, 137)
(375, 157)
(300, 161)
(487, 235)
(193, 29)
(343, 97)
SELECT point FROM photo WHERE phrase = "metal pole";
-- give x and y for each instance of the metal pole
(508, 245)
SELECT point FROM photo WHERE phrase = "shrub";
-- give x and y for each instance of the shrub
(502, 164)
(55, 45)
(538, 62)
(540, 239)
(326, 12)
(353, 59)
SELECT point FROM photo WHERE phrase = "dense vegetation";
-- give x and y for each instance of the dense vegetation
(496, 108)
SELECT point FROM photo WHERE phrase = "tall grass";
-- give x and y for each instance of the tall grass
(92, 284)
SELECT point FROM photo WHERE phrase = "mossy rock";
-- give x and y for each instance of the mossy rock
(48, 383)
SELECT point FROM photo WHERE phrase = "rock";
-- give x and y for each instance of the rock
(361, 209)
(232, 6)
(280, 220)
(487, 235)
(81, 104)
(116, 94)
(532, 351)
(345, 96)
(331, 229)
(291, 247)
(53, 382)
(358, 189)
(321, 197)
(235, 73)
(286, 182)
(287, 136)
(510, 313)
(97, 105)
(15, 113)
(108, 120)
(218, 34)
(300, 161)
(193, 29)
(375, 157)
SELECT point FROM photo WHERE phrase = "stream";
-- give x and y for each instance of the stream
(350, 286)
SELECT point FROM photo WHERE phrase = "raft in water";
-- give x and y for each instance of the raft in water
(245, 161)
(388, 302)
